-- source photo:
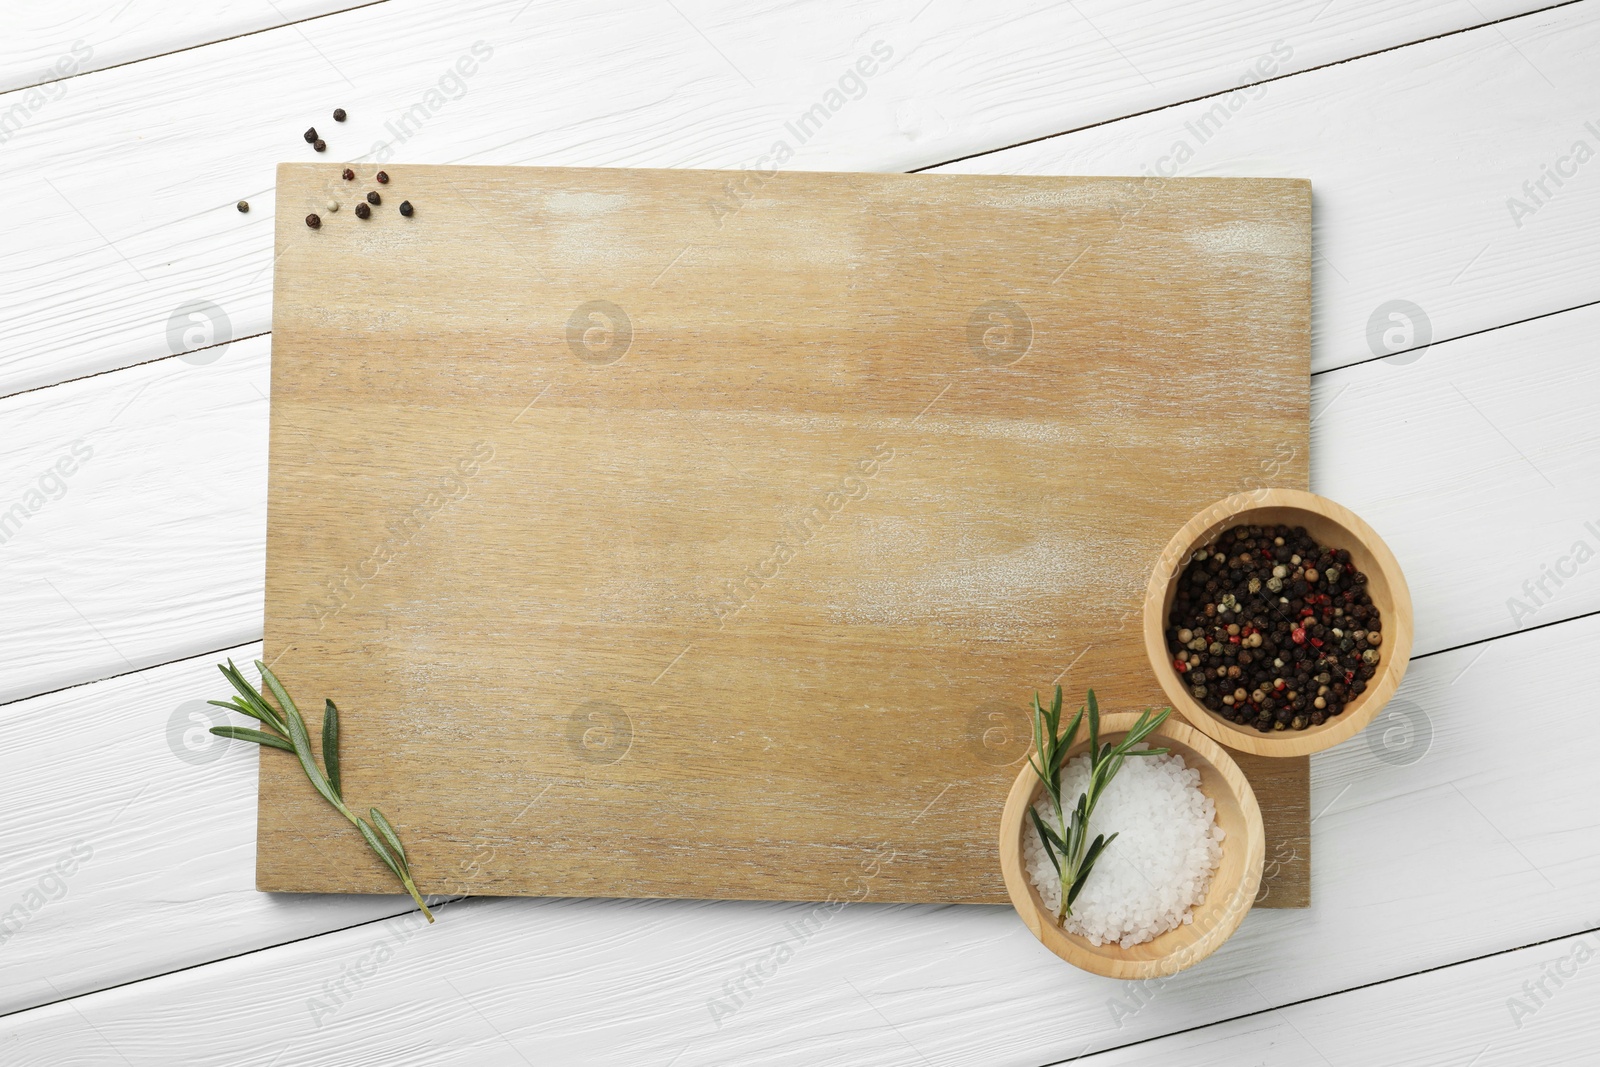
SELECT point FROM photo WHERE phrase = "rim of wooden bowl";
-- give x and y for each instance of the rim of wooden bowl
(1233, 888)
(1333, 526)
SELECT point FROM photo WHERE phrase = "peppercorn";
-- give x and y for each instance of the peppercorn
(313, 221)
(363, 211)
(383, 178)
(243, 206)
(338, 114)
(321, 145)
(310, 135)
(1220, 601)
(349, 175)
(374, 199)
(405, 208)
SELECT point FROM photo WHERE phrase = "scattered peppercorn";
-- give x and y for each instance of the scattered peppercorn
(338, 114)
(349, 175)
(314, 222)
(310, 135)
(374, 199)
(383, 178)
(1305, 608)
(363, 211)
(321, 145)
(405, 208)
(332, 206)
(243, 206)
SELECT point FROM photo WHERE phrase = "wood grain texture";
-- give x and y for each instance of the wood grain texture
(635, 981)
(128, 924)
(1446, 131)
(96, 284)
(166, 539)
(599, 488)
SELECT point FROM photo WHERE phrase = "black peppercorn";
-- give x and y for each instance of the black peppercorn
(363, 211)
(374, 199)
(338, 114)
(1257, 630)
(321, 145)
(405, 208)
(243, 206)
(383, 178)
(310, 135)
(349, 175)
(313, 221)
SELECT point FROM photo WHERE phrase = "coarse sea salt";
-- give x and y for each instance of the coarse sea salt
(1160, 866)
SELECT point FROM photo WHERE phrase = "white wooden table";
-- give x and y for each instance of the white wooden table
(1456, 403)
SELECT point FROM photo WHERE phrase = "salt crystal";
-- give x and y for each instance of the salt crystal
(1160, 866)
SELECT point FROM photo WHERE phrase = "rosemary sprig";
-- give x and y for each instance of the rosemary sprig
(1070, 852)
(288, 732)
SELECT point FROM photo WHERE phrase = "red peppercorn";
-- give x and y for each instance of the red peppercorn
(1299, 635)
(383, 179)
(349, 175)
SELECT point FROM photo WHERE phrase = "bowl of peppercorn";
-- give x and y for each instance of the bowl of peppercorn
(1278, 622)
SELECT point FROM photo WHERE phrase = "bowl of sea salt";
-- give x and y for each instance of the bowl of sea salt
(1175, 884)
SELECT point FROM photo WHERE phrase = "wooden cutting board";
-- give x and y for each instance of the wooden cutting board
(706, 534)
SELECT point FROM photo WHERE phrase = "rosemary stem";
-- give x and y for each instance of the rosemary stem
(1062, 910)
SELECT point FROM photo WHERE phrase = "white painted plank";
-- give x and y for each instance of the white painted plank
(1414, 156)
(152, 822)
(1534, 1005)
(1435, 841)
(120, 195)
(133, 518)
(44, 41)
(1476, 463)
(156, 549)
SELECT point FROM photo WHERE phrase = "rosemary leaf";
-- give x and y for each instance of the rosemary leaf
(377, 846)
(302, 749)
(1088, 864)
(388, 833)
(1052, 843)
(244, 733)
(248, 695)
(330, 747)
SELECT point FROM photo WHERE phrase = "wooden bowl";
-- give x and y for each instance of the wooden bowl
(1233, 887)
(1333, 526)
